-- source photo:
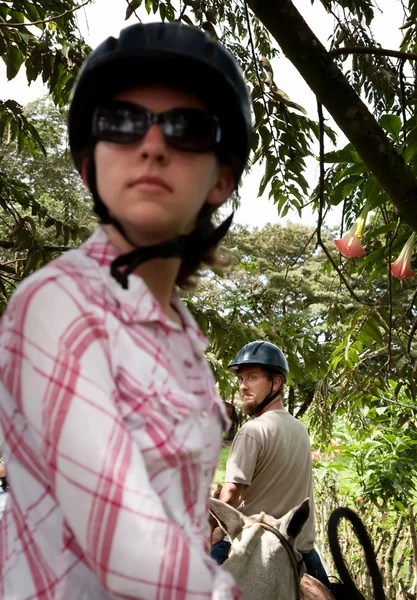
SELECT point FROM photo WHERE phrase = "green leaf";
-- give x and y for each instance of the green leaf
(49, 222)
(347, 155)
(270, 170)
(392, 124)
(13, 60)
(344, 188)
(148, 6)
(132, 6)
(33, 66)
(32, 11)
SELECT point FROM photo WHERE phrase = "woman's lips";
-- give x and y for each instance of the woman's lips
(151, 184)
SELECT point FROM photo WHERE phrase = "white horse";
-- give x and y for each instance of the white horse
(263, 559)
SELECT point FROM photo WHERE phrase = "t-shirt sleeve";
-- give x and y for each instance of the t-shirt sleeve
(243, 458)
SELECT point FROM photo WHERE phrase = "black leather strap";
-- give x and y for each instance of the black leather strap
(203, 237)
(291, 555)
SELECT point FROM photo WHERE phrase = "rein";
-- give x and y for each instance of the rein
(291, 554)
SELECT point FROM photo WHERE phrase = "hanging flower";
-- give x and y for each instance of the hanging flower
(350, 244)
(316, 455)
(401, 268)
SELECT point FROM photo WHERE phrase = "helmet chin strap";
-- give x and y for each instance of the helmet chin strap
(271, 396)
(203, 237)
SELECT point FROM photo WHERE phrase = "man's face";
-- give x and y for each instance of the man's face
(155, 210)
(254, 386)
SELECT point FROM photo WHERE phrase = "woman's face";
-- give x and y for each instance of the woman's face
(156, 192)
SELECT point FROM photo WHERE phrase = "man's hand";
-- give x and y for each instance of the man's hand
(217, 536)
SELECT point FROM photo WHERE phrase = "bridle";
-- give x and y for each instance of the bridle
(295, 565)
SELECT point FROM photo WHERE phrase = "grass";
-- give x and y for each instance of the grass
(220, 473)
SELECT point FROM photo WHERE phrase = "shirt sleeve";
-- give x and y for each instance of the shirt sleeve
(242, 458)
(60, 376)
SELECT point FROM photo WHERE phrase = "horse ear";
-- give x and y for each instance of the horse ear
(293, 522)
(229, 519)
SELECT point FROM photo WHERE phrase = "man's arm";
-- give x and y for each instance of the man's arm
(240, 468)
(231, 493)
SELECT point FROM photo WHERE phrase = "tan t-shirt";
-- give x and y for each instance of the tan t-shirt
(271, 455)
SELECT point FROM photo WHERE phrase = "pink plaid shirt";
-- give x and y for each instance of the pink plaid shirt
(112, 430)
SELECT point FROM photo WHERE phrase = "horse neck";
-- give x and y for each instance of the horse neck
(262, 568)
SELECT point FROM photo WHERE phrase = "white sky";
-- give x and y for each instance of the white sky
(106, 17)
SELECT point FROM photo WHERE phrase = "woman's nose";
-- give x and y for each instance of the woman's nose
(153, 146)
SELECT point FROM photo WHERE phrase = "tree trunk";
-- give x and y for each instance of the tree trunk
(413, 540)
(332, 89)
(389, 559)
(401, 559)
(380, 543)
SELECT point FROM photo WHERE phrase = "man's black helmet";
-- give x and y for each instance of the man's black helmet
(263, 354)
(178, 55)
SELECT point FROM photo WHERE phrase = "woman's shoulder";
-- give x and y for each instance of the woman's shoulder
(55, 289)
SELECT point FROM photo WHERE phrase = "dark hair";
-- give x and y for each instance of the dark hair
(192, 268)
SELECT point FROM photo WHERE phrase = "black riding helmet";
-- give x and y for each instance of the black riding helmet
(265, 355)
(184, 57)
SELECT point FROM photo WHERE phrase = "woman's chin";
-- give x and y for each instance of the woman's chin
(146, 233)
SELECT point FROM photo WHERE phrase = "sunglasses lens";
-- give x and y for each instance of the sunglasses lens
(119, 124)
(187, 129)
(190, 130)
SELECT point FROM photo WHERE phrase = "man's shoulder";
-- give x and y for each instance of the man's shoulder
(251, 428)
(278, 420)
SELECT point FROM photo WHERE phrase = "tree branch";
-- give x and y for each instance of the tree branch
(260, 83)
(332, 89)
(9, 245)
(54, 18)
(7, 269)
(374, 50)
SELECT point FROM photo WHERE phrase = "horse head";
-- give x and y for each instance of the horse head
(263, 558)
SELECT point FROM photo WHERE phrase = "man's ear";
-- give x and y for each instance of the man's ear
(278, 382)
(223, 187)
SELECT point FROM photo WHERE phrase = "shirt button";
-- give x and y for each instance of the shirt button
(198, 522)
(188, 364)
(207, 472)
(204, 413)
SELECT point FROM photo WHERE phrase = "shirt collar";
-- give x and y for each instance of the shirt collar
(136, 304)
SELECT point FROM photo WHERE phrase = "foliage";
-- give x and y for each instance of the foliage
(375, 463)
(371, 469)
(220, 474)
(45, 207)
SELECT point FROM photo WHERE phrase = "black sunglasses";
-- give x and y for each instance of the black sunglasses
(187, 129)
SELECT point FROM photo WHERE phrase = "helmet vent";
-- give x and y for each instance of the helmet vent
(255, 352)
